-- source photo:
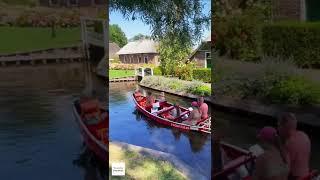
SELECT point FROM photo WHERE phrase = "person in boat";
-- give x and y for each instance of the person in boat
(162, 97)
(175, 112)
(194, 116)
(90, 108)
(150, 101)
(138, 95)
(203, 108)
(296, 143)
(273, 164)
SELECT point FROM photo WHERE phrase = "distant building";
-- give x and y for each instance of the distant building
(304, 10)
(139, 52)
(72, 3)
(202, 54)
(113, 49)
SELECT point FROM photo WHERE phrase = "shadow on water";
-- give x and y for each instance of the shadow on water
(196, 140)
(93, 168)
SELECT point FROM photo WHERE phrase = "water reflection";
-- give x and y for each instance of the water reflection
(39, 138)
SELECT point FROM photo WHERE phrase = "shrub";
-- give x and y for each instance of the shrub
(239, 35)
(157, 71)
(295, 90)
(163, 83)
(202, 74)
(184, 71)
(296, 40)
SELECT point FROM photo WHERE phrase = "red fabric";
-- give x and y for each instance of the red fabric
(89, 107)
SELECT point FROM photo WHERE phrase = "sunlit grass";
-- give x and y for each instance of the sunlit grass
(21, 39)
(141, 167)
(120, 73)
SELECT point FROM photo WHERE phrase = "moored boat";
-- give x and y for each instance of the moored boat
(236, 160)
(93, 123)
(161, 116)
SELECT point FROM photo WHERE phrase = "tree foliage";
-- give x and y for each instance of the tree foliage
(139, 37)
(238, 27)
(116, 35)
(179, 18)
(172, 55)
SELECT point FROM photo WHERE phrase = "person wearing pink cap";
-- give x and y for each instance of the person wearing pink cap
(194, 116)
(297, 144)
(273, 163)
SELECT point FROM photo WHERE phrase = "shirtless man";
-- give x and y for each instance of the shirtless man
(203, 108)
(297, 144)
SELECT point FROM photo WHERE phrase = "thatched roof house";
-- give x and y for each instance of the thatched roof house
(202, 54)
(141, 51)
(113, 49)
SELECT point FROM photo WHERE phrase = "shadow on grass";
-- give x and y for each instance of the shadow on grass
(139, 165)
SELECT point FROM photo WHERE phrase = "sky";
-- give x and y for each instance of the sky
(132, 28)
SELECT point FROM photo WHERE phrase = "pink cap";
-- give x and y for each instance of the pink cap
(267, 133)
(194, 103)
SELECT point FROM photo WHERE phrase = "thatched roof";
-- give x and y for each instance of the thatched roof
(138, 47)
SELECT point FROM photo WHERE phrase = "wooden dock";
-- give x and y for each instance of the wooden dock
(124, 79)
(59, 55)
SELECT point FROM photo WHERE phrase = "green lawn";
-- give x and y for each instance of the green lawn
(139, 166)
(120, 73)
(17, 39)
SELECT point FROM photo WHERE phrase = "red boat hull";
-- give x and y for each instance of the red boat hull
(181, 126)
(98, 147)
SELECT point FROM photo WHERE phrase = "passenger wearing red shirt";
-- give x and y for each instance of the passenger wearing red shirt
(297, 144)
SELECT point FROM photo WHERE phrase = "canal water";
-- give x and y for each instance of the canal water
(39, 138)
(128, 125)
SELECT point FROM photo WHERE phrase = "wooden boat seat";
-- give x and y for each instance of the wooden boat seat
(165, 110)
(181, 115)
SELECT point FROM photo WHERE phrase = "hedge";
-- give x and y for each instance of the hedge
(298, 41)
(202, 74)
(177, 85)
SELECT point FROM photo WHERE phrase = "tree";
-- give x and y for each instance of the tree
(172, 55)
(139, 36)
(182, 19)
(116, 35)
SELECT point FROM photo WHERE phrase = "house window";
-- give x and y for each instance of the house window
(146, 59)
(207, 59)
(140, 59)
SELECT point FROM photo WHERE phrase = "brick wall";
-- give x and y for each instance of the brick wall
(139, 58)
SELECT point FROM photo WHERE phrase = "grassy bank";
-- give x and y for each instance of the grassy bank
(120, 73)
(139, 166)
(177, 85)
(17, 39)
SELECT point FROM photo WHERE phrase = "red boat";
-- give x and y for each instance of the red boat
(203, 125)
(240, 158)
(93, 122)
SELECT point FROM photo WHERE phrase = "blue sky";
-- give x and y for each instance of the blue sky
(132, 28)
